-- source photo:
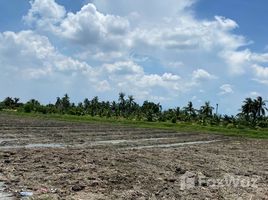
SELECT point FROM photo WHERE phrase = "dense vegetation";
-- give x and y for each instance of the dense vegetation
(252, 113)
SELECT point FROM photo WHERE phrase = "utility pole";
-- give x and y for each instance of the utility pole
(217, 107)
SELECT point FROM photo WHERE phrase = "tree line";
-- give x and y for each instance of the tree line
(251, 114)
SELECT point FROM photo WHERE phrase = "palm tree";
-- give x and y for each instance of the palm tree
(66, 104)
(114, 109)
(189, 109)
(130, 103)
(122, 103)
(95, 104)
(86, 104)
(206, 110)
(247, 108)
(130, 100)
(260, 106)
(16, 102)
(151, 110)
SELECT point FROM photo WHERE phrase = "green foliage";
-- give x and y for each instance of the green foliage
(33, 106)
(151, 111)
(1, 106)
(174, 120)
(11, 103)
(230, 126)
(252, 112)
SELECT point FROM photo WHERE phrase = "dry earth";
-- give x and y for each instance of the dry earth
(63, 160)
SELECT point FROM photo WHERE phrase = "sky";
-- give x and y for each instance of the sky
(171, 51)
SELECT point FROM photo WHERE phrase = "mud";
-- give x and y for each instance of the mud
(61, 160)
(4, 195)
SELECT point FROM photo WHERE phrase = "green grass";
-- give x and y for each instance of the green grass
(180, 126)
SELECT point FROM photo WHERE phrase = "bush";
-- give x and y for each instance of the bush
(230, 126)
(262, 124)
(1, 106)
(174, 120)
(27, 108)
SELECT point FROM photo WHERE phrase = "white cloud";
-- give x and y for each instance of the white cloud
(260, 74)
(226, 89)
(44, 14)
(103, 86)
(260, 71)
(152, 10)
(226, 23)
(236, 60)
(148, 48)
(201, 74)
(89, 26)
(110, 32)
(32, 56)
(123, 68)
(130, 75)
(170, 77)
(261, 58)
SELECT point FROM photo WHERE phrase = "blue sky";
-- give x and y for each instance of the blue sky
(171, 51)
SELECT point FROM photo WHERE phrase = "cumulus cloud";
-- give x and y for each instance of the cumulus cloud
(260, 74)
(125, 75)
(226, 89)
(201, 74)
(44, 14)
(123, 68)
(260, 71)
(88, 27)
(32, 56)
(191, 34)
(111, 32)
(236, 60)
(152, 10)
(151, 47)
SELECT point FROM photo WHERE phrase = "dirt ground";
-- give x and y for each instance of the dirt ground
(63, 160)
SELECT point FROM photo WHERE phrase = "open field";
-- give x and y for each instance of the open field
(188, 127)
(77, 160)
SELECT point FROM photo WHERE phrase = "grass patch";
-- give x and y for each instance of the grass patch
(180, 126)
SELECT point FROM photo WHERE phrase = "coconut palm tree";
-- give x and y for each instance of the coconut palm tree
(130, 104)
(247, 108)
(86, 104)
(122, 103)
(260, 107)
(206, 110)
(95, 106)
(189, 109)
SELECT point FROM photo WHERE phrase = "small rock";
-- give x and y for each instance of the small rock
(179, 170)
(94, 183)
(78, 187)
(171, 180)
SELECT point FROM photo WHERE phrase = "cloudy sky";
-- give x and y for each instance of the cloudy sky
(171, 51)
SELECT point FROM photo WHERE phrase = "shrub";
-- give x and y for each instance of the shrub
(230, 126)
(174, 120)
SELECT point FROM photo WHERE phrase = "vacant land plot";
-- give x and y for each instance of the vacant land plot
(62, 160)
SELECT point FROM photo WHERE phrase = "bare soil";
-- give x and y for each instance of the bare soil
(64, 160)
